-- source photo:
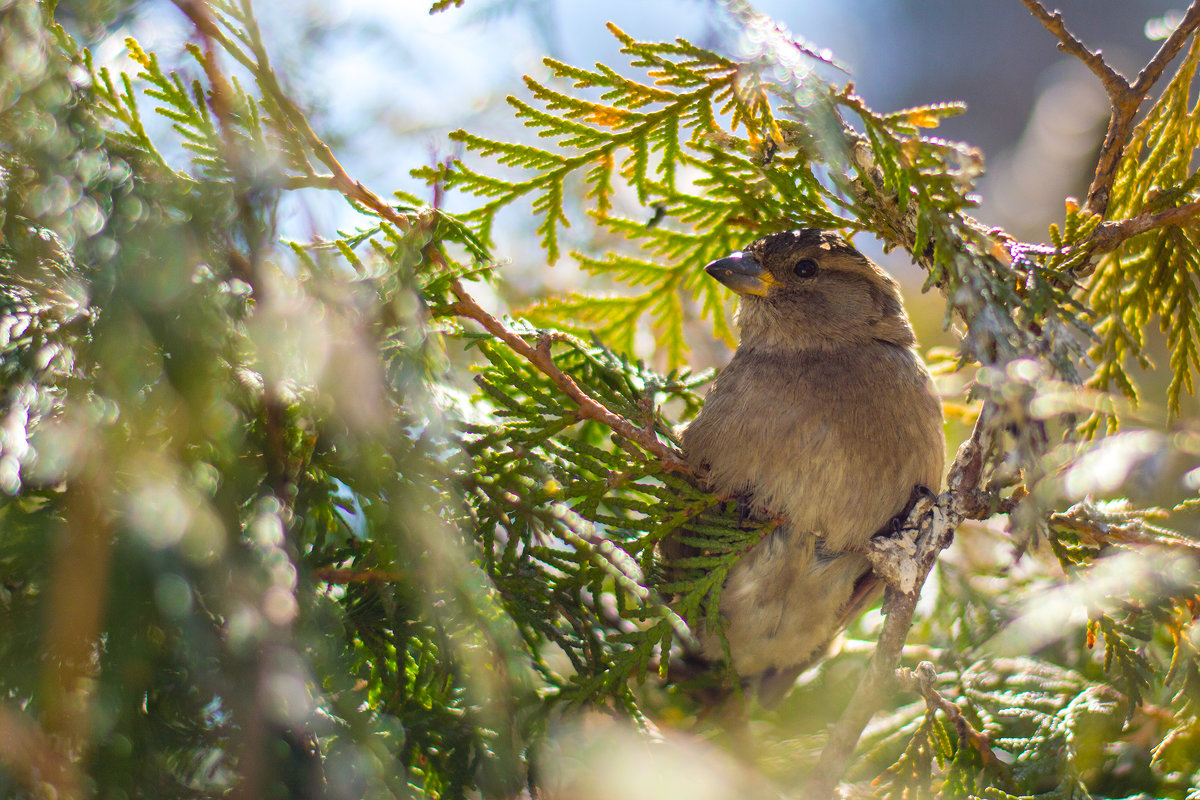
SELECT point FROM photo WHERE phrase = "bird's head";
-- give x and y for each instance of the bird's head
(810, 289)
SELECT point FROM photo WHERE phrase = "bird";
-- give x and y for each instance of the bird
(825, 419)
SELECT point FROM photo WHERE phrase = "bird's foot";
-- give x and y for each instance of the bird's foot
(896, 523)
(919, 491)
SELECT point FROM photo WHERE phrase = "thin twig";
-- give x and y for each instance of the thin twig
(1114, 83)
(338, 575)
(922, 680)
(1167, 51)
(589, 407)
(1124, 111)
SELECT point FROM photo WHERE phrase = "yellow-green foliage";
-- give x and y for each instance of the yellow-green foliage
(1154, 276)
(717, 154)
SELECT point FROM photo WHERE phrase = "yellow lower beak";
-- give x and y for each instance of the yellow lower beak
(743, 274)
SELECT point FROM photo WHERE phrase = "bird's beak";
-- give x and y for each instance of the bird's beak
(742, 273)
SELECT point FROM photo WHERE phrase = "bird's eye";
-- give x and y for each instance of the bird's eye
(805, 268)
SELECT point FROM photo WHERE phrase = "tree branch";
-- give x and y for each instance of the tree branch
(341, 181)
(1108, 528)
(1110, 235)
(928, 530)
(1169, 49)
(1114, 83)
(1124, 110)
(338, 575)
(1124, 97)
(589, 408)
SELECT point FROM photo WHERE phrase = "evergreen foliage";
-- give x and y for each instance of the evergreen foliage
(258, 536)
(1154, 274)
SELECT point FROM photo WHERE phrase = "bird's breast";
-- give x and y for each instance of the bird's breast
(834, 442)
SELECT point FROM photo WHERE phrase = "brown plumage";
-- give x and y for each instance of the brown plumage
(825, 417)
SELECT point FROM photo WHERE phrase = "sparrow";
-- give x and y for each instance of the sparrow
(825, 419)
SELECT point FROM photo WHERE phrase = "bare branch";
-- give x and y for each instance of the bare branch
(1124, 110)
(1169, 49)
(1114, 83)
